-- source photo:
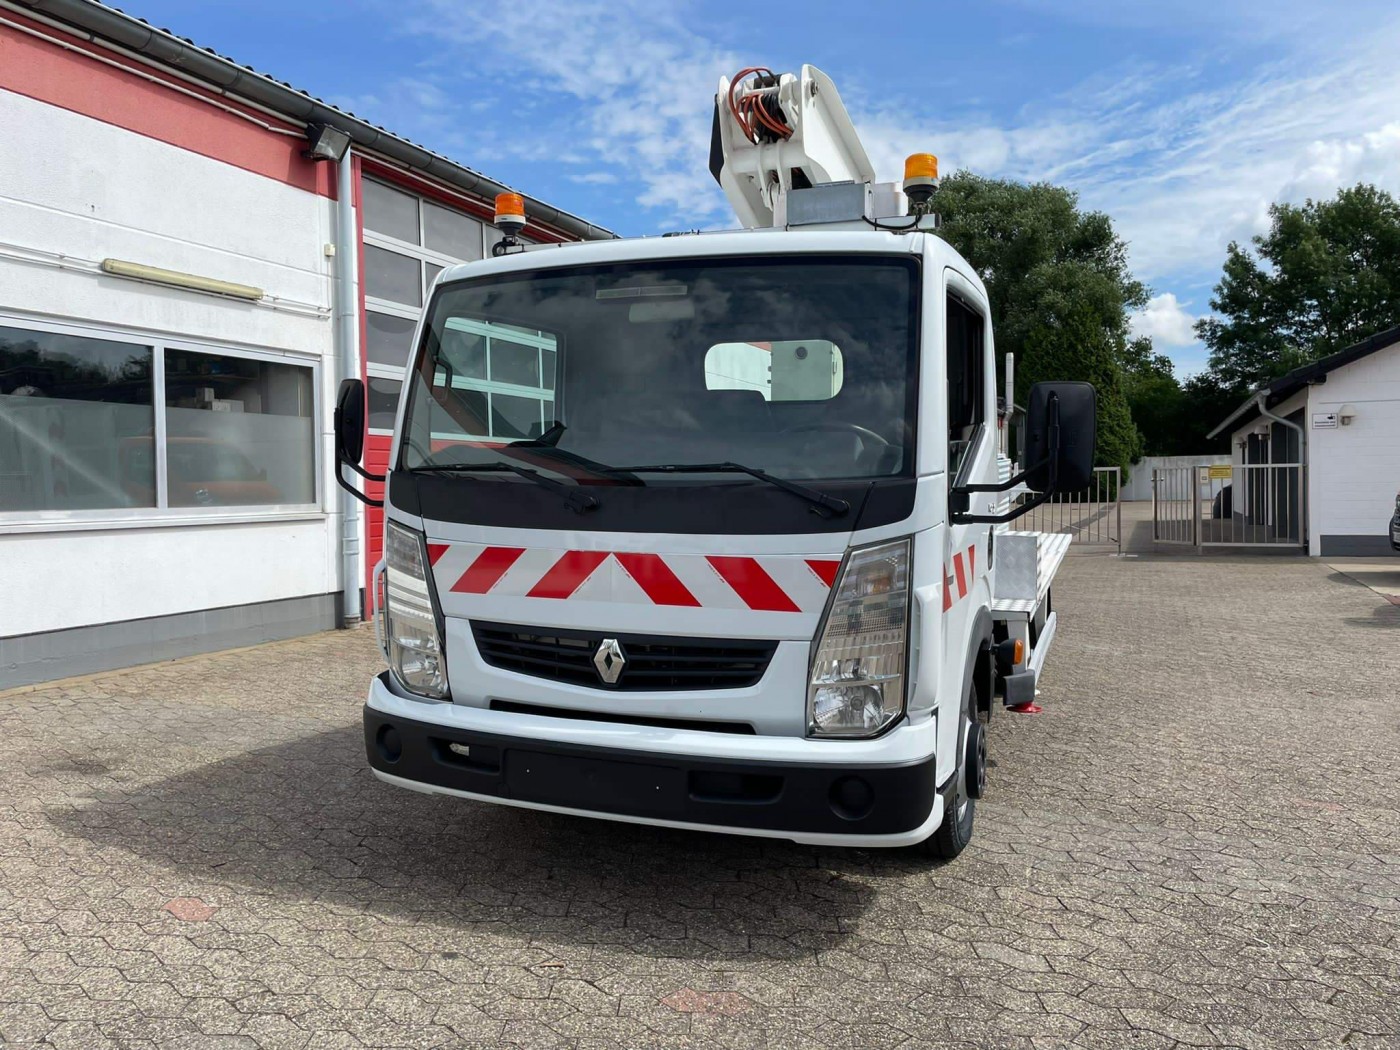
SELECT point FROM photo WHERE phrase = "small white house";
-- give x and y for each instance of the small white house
(1339, 419)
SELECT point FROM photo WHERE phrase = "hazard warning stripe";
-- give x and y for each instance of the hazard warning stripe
(758, 590)
(777, 583)
(655, 577)
(826, 570)
(488, 568)
(964, 571)
(568, 574)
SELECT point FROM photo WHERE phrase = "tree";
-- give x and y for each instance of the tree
(1060, 290)
(1326, 275)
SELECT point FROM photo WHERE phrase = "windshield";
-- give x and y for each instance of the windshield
(803, 367)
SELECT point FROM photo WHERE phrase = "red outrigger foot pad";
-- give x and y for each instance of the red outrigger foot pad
(1029, 708)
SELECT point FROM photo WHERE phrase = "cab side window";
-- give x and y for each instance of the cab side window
(967, 377)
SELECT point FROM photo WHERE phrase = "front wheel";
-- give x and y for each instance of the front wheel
(963, 789)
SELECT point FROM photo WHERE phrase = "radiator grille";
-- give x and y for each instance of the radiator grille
(652, 663)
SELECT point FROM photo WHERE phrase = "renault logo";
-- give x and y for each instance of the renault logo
(609, 660)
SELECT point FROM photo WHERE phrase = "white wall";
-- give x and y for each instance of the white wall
(89, 190)
(1138, 484)
(1355, 469)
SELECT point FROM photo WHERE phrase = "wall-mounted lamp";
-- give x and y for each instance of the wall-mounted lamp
(176, 279)
(326, 143)
(1346, 414)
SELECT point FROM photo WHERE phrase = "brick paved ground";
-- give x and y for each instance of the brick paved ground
(1197, 844)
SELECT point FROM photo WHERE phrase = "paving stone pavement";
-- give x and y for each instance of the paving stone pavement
(1197, 844)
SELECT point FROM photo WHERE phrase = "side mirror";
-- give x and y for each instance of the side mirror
(1062, 461)
(350, 438)
(350, 422)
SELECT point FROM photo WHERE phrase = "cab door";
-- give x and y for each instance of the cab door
(969, 402)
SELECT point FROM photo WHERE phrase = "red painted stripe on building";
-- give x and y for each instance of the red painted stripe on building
(759, 591)
(826, 570)
(962, 574)
(655, 577)
(436, 551)
(567, 574)
(75, 80)
(484, 573)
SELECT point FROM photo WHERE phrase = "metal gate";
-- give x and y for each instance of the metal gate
(1093, 517)
(1230, 505)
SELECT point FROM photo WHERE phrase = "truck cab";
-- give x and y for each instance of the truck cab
(704, 531)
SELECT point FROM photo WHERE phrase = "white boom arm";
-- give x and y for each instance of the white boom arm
(822, 145)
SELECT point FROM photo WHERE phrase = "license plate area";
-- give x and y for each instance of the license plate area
(590, 783)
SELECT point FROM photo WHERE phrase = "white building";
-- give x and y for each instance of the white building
(1340, 419)
(170, 347)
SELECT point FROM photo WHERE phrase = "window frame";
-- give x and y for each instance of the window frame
(28, 521)
(957, 288)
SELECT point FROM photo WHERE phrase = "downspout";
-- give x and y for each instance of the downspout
(347, 346)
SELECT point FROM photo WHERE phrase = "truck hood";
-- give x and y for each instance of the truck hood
(696, 585)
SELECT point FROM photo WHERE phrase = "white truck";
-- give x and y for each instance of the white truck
(710, 530)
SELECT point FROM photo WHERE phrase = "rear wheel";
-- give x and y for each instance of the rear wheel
(964, 788)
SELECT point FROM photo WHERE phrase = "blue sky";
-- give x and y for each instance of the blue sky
(1183, 121)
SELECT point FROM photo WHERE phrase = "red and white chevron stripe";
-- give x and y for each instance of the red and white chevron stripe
(955, 587)
(767, 583)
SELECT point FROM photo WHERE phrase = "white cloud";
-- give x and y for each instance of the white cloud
(1329, 163)
(1166, 322)
(636, 78)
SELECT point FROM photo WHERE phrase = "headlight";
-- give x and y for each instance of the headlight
(856, 688)
(410, 621)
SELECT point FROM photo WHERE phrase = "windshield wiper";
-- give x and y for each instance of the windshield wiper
(820, 502)
(575, 498)
(548, 439)
(544, 445)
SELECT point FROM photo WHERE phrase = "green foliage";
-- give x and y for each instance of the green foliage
(1327, 274)
(1060, 291)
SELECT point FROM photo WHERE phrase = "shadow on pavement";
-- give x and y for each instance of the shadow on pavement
(306, 820)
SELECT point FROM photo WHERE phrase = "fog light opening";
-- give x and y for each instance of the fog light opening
(389, 743)
(852, 798)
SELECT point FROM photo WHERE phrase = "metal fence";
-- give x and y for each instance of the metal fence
(1092, 516)
(1234, 505)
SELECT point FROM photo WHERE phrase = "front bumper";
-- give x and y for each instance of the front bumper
(588, 769)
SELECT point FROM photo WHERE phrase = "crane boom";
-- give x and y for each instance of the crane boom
(778, 132)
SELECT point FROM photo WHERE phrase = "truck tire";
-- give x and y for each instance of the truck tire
(959, 803)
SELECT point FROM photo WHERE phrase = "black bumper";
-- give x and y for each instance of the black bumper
(768, 795)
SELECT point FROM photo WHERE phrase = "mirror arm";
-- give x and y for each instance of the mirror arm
(362, 472)
(963, 518)
(960, 518)
(340, 480)
(1011, 483)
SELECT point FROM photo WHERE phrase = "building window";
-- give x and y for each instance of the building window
(238, 431)
(98, 421)
(393, 277)
(77, 422)
(383, 401)
(387, 338)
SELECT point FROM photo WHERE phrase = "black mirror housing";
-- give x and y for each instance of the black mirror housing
(350, 421)
(1076, 407)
